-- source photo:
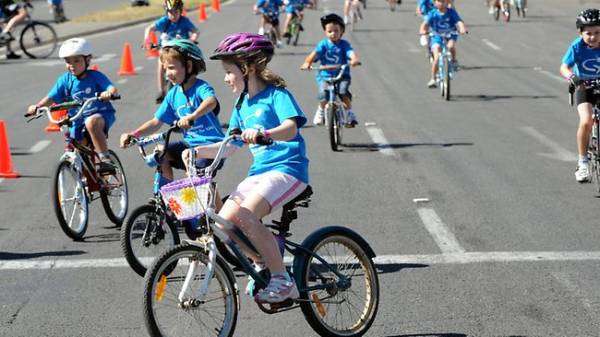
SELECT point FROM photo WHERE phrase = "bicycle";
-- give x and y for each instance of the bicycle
(593, 151)
(294, 28)
(502, 6)
(190, 288)
(521, 7)
(152, 228)
(446, 70)
(354, 14)
(270, 31)
(34, 36)
(76, 172)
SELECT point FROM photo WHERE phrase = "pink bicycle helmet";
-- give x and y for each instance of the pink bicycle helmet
(244, 45)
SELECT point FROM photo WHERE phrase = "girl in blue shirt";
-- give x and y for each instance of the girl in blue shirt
(442, 20)
(279, 171)
(581, 62)
(269, 10)
(171, 26)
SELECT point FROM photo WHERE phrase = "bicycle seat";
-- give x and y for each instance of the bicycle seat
(289, 214)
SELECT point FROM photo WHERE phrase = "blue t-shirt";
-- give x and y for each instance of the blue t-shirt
(584, 60)
(329, 53)
(269, 6)
(295, 5)
(177, 104)
(267, 110)
(426, 6)
(183, 27)
(69, 88)
(443, 23)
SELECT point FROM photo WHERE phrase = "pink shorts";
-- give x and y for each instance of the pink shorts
(276, 187)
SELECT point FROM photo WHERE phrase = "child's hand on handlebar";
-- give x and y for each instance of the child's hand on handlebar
(305, 66)
(31, 110)
(125, 140)
(355, 63)
(185, 122)
(105, 96)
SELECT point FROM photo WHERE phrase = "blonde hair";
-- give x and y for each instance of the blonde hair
(260, 65)
(170, 54)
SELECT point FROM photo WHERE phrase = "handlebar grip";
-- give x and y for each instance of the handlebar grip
(261, 140)
(114, 97)
(236, 131)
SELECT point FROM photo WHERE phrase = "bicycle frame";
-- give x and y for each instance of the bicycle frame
(332, 90)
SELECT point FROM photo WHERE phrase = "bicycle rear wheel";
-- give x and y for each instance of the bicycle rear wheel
(115, 197)
(333, 126)
(594, 154)
(496, 13)
(38, 40)
(446, 79)
(166, 315)
(70, 201)
(330, 307)
(145, 236)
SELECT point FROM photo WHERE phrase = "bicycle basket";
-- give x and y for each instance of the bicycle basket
(187, 198)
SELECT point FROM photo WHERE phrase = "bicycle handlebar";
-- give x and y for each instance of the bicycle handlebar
(68, 105)
(341, 67)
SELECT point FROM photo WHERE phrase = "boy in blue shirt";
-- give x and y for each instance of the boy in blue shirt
(293, 7)
(333, 50)
(424, 7)
(171, 26)
(580, 63)
(441, 21)
(190, 102)
(269, 10)
(79, 83)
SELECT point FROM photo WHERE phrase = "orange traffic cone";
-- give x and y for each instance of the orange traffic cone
(202, 14)
(57, 115)
(94, 67)
(152, 52)
(6, 169)
(127, 67)
(216, 5)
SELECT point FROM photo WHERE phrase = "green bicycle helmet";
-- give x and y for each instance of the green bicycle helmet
(173, 5)
(190, 52)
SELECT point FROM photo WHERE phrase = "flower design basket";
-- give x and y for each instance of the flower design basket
(187, 198)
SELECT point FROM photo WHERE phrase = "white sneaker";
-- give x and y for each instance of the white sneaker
(582, 174)
(346, 20)
(279, 44)
(431, 83)
(319, 117)
(261, 31)
(351, 122)
(491, 11)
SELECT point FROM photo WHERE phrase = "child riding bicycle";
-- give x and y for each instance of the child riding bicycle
(172, 25)
(269, 10)
(293, 7)
(333, 50)
(14, 12)
(578, 64)
(279, 173)
(79, 83)
(191, 102)
(442, 21)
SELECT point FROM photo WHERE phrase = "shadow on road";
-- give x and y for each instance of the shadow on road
(100, 238)
(466, 68)
(25, 256)
(451, 334)
(358, 147)
(379, 30)
(487, 98)
(396, 267)
(291, 53)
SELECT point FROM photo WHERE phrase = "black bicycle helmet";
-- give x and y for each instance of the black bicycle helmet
(588, 17)
(332, 17)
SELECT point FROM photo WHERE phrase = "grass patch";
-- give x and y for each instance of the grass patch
(126, 12)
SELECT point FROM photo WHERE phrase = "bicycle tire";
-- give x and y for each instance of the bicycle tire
(57, 196)
(153, 293)
(313, 273)
(296, 36)
(34, 29)
(497, 13)
(595, 155)
(332, 125)
(506, 13)
(116, 217)
(446, 93)
(145, 213)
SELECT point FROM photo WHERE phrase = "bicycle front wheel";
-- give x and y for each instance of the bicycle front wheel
(333, 126)
(331, 308)
(115, 196)
(165, 315)
(70, 201)
(38, 40)
(446, 86)
(145, 236)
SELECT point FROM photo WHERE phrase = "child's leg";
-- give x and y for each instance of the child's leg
(95, 125)
(452, 48)
(437, 50)
(585, 127)
(288, 18)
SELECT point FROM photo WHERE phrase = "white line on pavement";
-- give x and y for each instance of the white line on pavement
(122, 81)
(39, 146)
(549, 74)
(139, 68)
(439, 231)
(411, 48)
(1, 180)
(448, 258)
(490, 44)
(382, 143)
(560, 153)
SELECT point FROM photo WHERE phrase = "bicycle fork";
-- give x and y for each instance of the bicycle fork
(192, 274)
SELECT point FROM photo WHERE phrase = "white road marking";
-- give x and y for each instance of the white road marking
(549, 74)
(54, 63)
(39, 146)
(420, 200)
(559, 153)
(1, 180)
(122, 81)
(432, 259)
(139, 68)
(444, 238)
(490, 44)
(379, 139)
(411, 48)
(104, 58)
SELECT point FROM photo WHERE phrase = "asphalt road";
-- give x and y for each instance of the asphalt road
(506, 246)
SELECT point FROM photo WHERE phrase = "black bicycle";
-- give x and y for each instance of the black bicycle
(190, 288)
(38, 40)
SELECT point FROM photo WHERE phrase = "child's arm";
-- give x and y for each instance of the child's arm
(46, 101)
(567, 73)
(309, 60)
(210, 151)
(194, 35)
(147, 128)
(354, 60)
(462, 29)
(287, 130)
(207, 105)
(105, 95)
(150, 28)
(424, 29)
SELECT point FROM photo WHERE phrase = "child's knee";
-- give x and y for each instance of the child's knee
(94, 122)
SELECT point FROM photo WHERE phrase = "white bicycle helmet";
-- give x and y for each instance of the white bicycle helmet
(75, 46)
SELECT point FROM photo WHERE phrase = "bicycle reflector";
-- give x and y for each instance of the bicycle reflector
(160, 288)
(319, 305)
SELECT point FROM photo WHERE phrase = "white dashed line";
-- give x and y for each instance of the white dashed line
(1, 180)
(139, 68)
(379, 139)
(39, 146)
(560, 153)
(411, 48)
(490, 44)
(549, 74)
(122, 81)
(444, 238)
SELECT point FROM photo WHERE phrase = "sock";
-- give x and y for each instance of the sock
(104, 156)
(284, 275)
(261, 31)
(583, 159)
